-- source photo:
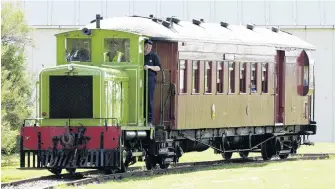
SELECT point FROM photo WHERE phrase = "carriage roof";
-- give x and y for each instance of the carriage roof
(204, 32)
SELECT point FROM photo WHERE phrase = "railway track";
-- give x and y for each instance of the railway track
(82, 178)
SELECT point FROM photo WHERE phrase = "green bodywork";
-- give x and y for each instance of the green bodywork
(111, 99)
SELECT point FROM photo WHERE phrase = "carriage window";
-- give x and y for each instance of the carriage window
(243, 77)
(182, 76)
(306, 76)
(78, 50)
(253, 78)
(208, 77)
(219, 77)
(116, 50)
(195, 77)
(231, 77)
(265, 67)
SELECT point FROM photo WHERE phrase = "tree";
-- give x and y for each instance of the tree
(16, 85)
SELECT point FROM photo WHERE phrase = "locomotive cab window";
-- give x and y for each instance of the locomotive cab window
(78, 50)
(116, 50)
(253, 78)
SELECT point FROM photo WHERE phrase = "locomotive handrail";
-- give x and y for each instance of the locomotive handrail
(69, 119)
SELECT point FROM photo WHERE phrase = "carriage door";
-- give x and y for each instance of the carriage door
(280, 87)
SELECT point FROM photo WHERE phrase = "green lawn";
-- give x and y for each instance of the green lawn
(10, 173)
(310, 174)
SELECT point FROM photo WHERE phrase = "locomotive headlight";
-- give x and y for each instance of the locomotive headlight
(70, 67)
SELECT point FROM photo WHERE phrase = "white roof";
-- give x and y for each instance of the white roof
(206, 32)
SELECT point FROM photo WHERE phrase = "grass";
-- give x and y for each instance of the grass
(10, 172)
(299, 174)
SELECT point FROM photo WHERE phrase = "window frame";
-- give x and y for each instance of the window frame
(255, 78)
(78, 38)
(195, 80)
(244, 73)
(231, 70)
(184, 90)
(104, 50)
(266, 77)
(222, 79)
(208, 74)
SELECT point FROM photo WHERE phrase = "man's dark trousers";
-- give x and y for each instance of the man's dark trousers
(151, 93)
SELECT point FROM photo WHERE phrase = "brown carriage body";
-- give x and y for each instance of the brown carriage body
(194, 110)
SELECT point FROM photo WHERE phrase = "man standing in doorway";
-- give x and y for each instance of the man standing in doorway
(152, 66)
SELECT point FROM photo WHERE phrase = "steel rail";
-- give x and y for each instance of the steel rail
(48, 177)
(190, 166)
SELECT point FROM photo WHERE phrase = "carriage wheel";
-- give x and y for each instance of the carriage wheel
(150, 162)
(227, 155)
(267, 150)
(162, 163)
(244, 154)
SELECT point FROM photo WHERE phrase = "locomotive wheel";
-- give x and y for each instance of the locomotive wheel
(227, 156)
(56, 171)
(244, 154)
(71, 170)
(125, 162)
(283, 156)
(267, 150)
(150, 162)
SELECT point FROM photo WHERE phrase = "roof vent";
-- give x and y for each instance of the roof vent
(224, 24)
(196, 22)
(250, 26)
(202, 20)
(275, 29)
(174, 20)
(155, 19)
(166, 24)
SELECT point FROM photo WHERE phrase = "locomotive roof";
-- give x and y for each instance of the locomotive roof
(205, 32)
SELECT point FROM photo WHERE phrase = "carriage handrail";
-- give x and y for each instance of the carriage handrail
(161, 99)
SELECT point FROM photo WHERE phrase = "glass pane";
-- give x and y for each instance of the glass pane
(306, 74)
(116, 50)
(231, 77)
(253, 78)
(219, 74)
(182, 76)
(78, 50)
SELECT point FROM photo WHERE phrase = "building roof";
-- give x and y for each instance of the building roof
(181, 30)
